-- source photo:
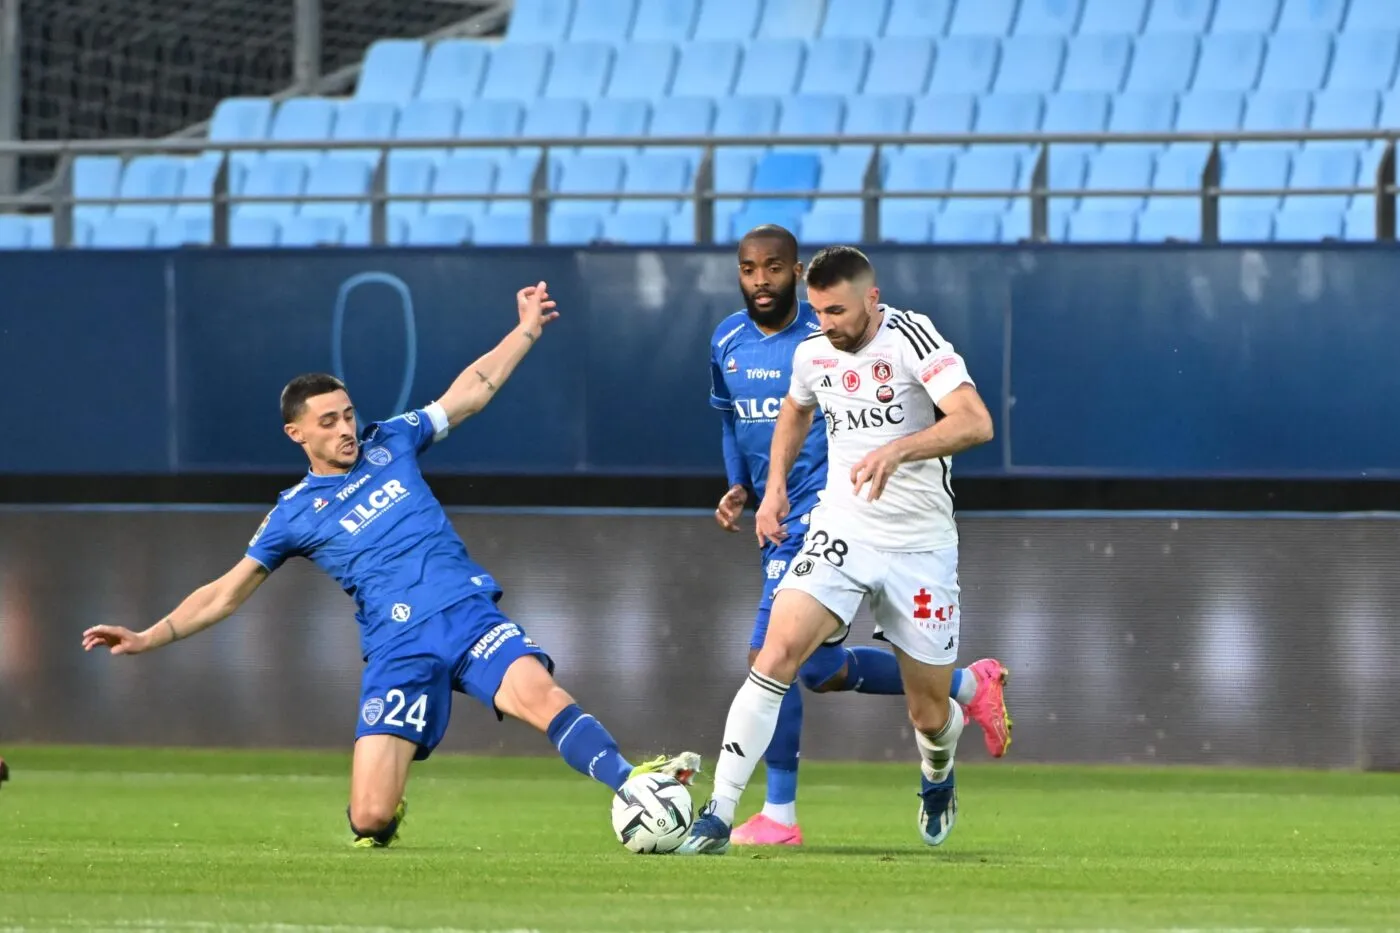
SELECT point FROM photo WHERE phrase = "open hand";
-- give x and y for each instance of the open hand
(875, 468)
(536, 307)
(116, 639)
(731, 507)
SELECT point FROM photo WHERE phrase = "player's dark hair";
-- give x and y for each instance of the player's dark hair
(837, 264)
(773, 232)
(303, 387)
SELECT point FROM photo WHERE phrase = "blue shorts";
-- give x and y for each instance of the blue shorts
(407, 691)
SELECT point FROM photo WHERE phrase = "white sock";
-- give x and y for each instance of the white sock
(937, 750)
(967, 687)
(753, 717)
(785, 813)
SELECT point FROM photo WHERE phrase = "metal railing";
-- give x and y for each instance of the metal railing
(703, 194)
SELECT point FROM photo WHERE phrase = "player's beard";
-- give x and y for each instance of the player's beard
(775, 314)
(847, 344)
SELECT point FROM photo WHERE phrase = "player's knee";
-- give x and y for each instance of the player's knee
(928, 714)
(370, 814)
(779, 661)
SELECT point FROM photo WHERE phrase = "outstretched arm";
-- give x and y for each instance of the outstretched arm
(212, 602)
(478, 383)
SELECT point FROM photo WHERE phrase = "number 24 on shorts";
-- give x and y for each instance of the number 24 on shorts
(417, 713)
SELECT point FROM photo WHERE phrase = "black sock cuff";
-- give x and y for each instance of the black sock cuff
(767, 683)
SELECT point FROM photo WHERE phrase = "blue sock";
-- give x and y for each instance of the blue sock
(781, 757)
(873, 670)
(586, 747)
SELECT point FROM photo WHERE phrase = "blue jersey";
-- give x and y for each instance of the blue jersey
(749, 376)
(379, 531)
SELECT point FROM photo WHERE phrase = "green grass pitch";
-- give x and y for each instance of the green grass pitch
(175, 840)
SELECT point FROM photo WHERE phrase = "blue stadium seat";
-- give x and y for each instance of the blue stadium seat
(665, 20)
(1008, 113)
(1361, 222)
(834, 66)
(1075, 112)
(1066, 172)
(1296, 61)
(273, 176)
(1277, 110)
(1102, 226)
(155, 176)
(454, 70)
(82, 232)
(863, 19)
(358, 232)
(812, 115)
(838, 225)
(1112, 17)
(465, 175)
(311, 231)
(881, 114)
(920, 170)
(579, 70)
(1175, 223)
(1364, 61)
(490, 119)
(1179, 168)
(1118, 168)
(975, 225)
(1229, 62)
(516, 175)
(842, 171)
(1323, 168)
(983, 18)
(574, 229)
(1210, 111)
(1143, 112)
(727, 19)
(656, 173)
(408, 175)
(790, 19)
(426, 119)
(1030, 63)
(1096, 63)
(239, 119)
(553, 117)
(771, 66)
(197, 181)
(926, 18)
(1309, 226)
(1324, 15)
(706, 69)
(902, 222)
(1162, 63)
(364, 119)
(501, 230)
(746, 116)
(944, 113)
(337, 176)
(733, 172)
(311, 119)
(391, 71)
(983, 169)
(439, 230)
(1048, 17)
(122, 233)
(14, 231)
(517, 71)
(1372, 14)
(603, 21)
(1180, 15)
(683, 116)
(1253, 167)
(643, 69)
(965, 65)
(1344, 110)
(616, 117)
(900, 66)
(1246, 16)
(540, 20)
(177, 231)
(587, 173)
(41, 232)
(785, 171)
(1245, 224)
(635, 229)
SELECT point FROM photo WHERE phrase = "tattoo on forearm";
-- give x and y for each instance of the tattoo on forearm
(482, 376)
(528, 336)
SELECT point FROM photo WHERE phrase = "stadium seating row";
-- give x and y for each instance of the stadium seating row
(459, 70)
(676, 20)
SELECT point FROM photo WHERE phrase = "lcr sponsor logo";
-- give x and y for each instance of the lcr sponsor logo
(375, 505)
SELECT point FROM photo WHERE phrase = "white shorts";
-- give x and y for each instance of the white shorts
(913, 594)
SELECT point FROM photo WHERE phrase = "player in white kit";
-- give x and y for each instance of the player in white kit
(898, 403)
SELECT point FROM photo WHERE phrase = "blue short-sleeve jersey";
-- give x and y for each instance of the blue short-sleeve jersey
(379, 531)
(749, 375)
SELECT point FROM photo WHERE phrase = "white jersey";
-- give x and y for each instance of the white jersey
(888, 389)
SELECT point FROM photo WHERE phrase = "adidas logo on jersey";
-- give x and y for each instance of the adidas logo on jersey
(375, 505)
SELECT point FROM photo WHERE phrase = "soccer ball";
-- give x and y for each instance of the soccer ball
(652, 813)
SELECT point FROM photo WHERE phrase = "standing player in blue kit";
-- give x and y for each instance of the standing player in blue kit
(750, 368)
(429, 623)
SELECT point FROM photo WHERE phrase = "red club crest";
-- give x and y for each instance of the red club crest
(850, 380)
(883, 371)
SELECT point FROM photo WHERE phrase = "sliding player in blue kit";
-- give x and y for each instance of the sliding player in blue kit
(429, 623)
(750, 368)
